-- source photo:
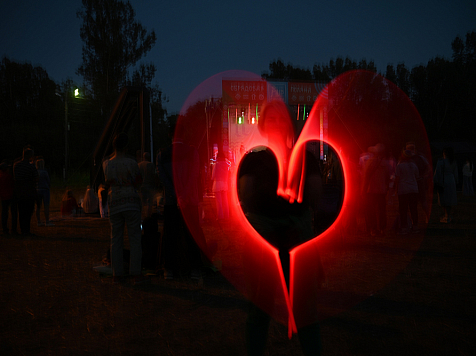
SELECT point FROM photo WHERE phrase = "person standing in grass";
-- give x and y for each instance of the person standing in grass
(26, 178)
(149, 182)
(446, 176)
(123, 179)
(220, 186)
(43, 191)
(468, 189)
(407, 190)
(7, 197)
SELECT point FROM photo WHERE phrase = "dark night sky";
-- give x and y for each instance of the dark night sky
(197, 39)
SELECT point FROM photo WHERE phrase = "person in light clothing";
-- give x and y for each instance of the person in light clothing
(468, 189)
(220, 186)
(407, 190)
(123, 179)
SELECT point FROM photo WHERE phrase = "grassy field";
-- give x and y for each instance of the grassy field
(52, 302)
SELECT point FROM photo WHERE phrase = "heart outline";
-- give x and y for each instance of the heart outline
(350, 195)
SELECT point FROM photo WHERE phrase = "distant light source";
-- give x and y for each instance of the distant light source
(76, 92)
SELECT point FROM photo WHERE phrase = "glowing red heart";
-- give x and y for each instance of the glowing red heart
(361, 108)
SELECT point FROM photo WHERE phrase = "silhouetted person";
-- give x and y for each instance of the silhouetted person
(407, 190)
(468, 168)
(187, 176)
(123, 179)
(376, 178)
(26, 178)
(220, 186)
(363, 201)
(149, 182)
(424, 176)
(43, 191)
(282, 224)
(446, 176)
(7, 185)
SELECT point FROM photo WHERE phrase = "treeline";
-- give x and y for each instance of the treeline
(37, 111)
(443, 91)
(33, 106)
(34, 109)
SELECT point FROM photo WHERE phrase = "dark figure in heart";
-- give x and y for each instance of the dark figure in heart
(282, 224)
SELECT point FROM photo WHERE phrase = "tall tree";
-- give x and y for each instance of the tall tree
(390, 74)
(113, 42)
(403, 78)
(30, 112)
(464, 83)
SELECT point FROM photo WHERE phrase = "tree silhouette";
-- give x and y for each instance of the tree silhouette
(113, 42)
(443, 91)
(30, 112)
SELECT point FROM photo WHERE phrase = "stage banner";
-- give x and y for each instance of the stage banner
(303, 93)
(244, 91)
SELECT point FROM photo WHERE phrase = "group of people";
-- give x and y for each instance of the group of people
(24, 184)
(130, 186)
(409, 178)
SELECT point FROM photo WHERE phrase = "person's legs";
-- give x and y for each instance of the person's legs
(219, 204)
(444, 218)
(31, 208)
(133, 219)
(310, 339)
(257, 324)
(413, 205)
(373, 213)
(382, 212)
(117, 244)
(224, 200)
(449, 213)
(21, 215)
(146, 199)
(402, 209)
(25, 211)
(5, 208)
(38, 202)
(367, 206)
(170, 237)
(46, 203)
(195, 254)
(14, 214)
(422, 197)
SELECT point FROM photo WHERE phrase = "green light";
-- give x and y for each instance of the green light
(240, 120)
(76, 92)
(304, 113)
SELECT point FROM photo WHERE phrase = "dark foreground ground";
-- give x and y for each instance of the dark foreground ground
(52, 302)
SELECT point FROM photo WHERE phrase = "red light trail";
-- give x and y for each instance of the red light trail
(363, 109)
